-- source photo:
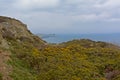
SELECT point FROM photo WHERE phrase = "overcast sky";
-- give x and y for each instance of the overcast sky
(65, 16)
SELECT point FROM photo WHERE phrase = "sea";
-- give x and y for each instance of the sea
(59, 38)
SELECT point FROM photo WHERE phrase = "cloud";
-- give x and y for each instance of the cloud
(46, 22)
(114, 20)
(61, 15)
(109, 4)
(91, 17)
(81, 1)
(33, 4)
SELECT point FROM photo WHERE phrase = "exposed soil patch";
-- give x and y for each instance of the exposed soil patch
(5, 69)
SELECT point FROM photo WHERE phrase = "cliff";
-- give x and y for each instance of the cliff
(11, 28)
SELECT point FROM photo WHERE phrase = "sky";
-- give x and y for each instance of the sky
(65, 16)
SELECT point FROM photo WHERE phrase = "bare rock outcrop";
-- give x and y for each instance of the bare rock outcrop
(11, 28)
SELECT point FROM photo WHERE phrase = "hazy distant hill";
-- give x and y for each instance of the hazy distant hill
(46, 35)
(24, 56)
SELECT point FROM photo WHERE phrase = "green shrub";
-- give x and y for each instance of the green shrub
(1, 76)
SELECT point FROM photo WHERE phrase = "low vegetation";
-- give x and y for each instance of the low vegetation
(0, 76)
(31, 58)
(73, 60)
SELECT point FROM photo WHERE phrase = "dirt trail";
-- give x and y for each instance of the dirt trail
(5, 69)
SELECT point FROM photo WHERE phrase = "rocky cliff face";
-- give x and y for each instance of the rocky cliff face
(11, 28)
(12, 32)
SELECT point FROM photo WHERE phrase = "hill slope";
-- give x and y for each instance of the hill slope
(15, 30)
(12, 30)
(31, 58)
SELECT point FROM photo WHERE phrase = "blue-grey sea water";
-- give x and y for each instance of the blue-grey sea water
(59, 38)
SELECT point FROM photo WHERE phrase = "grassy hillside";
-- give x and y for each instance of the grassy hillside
(73, 60)
(24, 56)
